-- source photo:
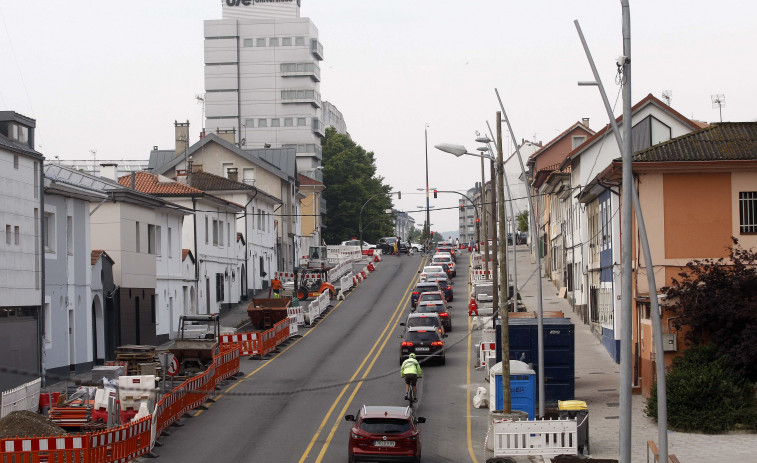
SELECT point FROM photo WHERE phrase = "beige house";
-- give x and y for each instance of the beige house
(312, 211)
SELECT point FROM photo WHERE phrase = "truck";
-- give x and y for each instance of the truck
(197, 343)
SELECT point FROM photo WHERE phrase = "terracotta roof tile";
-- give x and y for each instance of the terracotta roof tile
(185, 253)
(305, 180)
(158, 185)
(96, 253)
(208, 182)
(725, 141)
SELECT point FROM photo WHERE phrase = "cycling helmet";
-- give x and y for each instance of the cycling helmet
(412, 356)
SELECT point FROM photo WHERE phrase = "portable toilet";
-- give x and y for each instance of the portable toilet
(522, 388)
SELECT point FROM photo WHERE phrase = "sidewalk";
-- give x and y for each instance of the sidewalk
(598, 382)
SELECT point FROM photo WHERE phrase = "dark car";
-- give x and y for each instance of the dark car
(439, 308)
(385, 433)
(387, 245)
(447, 247)
(423, 288)
(425, 342)
(427, 319)
(444, 282)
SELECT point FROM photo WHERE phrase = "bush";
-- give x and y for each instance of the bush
(706, 394)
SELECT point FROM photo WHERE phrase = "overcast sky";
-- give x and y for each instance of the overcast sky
(112, 76)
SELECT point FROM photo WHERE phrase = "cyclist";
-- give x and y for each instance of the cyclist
(411, 371)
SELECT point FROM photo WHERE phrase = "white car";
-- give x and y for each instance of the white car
(417, 247)
(430, 269)
(357, 243)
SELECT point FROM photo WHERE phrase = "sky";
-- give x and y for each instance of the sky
(112, 76)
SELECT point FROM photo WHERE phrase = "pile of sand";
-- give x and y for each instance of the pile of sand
(26, 424)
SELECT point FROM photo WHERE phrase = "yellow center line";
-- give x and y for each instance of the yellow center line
(397, 311)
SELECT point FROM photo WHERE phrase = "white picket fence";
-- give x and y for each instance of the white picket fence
(24, 397)
(547, 438)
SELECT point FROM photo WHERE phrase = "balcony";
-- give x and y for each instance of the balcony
(306, 150)
(295, 96)
(321, 200)
(317, 49)
(311, 70)
(318, 127)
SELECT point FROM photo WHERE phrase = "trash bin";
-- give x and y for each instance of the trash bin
(577, 409)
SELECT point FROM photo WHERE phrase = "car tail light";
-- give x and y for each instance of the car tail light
(444, 314)
(437, 344)
(415, 293)
(449, 288)
(407, 344)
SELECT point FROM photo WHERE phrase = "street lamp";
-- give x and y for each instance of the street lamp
(360, 217)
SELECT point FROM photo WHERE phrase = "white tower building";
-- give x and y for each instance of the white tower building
(262, 78)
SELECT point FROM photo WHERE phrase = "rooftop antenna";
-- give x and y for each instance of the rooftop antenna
(93, 152)
(718, 101)
(667, 95)
(201, 100)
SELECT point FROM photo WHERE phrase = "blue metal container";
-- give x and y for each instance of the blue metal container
(559, 353)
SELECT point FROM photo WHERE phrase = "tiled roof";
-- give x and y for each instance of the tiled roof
(97, 253)
(560, 137)
(209, 182)
(185, 253)
(725, 141)
(158, 185)
(305, 180)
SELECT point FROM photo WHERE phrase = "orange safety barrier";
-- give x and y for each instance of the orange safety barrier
(245, 341)
(123, 443)
(43, 449)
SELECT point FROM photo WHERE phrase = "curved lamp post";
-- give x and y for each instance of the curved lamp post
(360, 217)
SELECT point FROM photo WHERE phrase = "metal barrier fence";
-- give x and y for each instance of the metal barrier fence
(24, 397)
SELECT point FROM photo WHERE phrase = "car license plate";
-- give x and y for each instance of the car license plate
(421, 349)
(383, 443)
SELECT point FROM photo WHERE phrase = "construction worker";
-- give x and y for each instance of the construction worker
(276, 286)
(472, 307)
(411, 371)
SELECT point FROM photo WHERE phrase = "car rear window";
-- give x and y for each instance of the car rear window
(442, 260)
(430, 308)
(428, 287)
(385, 425)
(422, 336)
(422, 321)
(431, 297)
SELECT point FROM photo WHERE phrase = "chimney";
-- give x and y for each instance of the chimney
(233, 174)
(109, 170)
(133, 180)
(227, 134)
(585, 121)
(181, 129)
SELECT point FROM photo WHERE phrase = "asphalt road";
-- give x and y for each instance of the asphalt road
(290, 407)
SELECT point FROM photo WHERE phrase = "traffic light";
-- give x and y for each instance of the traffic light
(399, 195)
(432, 233)
(476, 220)
(435, 193)
(462, 207)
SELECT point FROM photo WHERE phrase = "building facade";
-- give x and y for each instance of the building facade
(262, 78)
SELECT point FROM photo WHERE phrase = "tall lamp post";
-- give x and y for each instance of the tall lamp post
(360, 217)
(428, 209)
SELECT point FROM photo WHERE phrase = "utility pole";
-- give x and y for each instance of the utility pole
(503, 284)
(483, 219)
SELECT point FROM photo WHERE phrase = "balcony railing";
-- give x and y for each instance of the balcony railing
(316, 48)
(318, 127)
(301, 96)
(311, 70)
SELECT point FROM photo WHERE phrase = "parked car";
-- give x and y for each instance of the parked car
(443, 310)
(417, 247)
(415, 320)
(357, 243)
(386, 245)
(425, 342)
(385, 432)
(444, 283)
(421, 288)
(430, 269)
(434, 296)
(444, 246)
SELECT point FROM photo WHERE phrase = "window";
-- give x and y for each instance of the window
(262, 272)
(15, 161)
(7, 234)
(247, 42)
(747, 212)
(136, 234)
(288, 122)
(578, 140)
(301, 121)
(170, 244)
(36, 180)
(260, 42)
(69, 235)
(299, 41)
(49, 232)
(249, 123)
(150, 239)
(275, 122)
(17, 234)
(252, 214)
(260, 220)
(228, 234)
(215, 232)
(220, 233)
(206, 230)
(262, 122)
(219, 287)
(273, 42)
(158, 239)
(286, 41)
(248, 175)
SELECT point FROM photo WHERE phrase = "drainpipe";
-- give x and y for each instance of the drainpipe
(197, 259)
(41, 317)
(247, 241)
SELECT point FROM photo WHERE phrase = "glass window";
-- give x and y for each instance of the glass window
(260, 42)
(249, 123)
(170, 243)
(215, 232)
(247, 42)
(288, 122)
(69, 235)
(15, 161)
(262, 122)
(385, 425)
(286, 41)
(158, 239)
(206, 230)
(299, 41)
(150, 239)
(220, 233)
(748, 212)
(577, 141)
(275, 122)
(301, 121)
(136, 234)
(273, 42)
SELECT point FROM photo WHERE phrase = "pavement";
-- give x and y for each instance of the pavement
(598, 382)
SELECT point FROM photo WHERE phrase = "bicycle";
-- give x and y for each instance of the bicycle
(410, 397)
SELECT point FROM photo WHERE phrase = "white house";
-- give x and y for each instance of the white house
(21, 262)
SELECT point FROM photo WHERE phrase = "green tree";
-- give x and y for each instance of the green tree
(415, 235)
(717, 301)
(522, 221)
(349, 173)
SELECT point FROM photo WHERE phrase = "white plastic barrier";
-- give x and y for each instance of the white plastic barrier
(346, 282)
(294, 324)
(547, 438)
(313, 311)
(324, 301)
(487, 346)
(296, 316)
(24, 397)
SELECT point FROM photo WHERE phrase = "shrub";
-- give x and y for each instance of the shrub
(706, 394)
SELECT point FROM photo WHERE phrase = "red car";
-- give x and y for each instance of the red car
(385, 433)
